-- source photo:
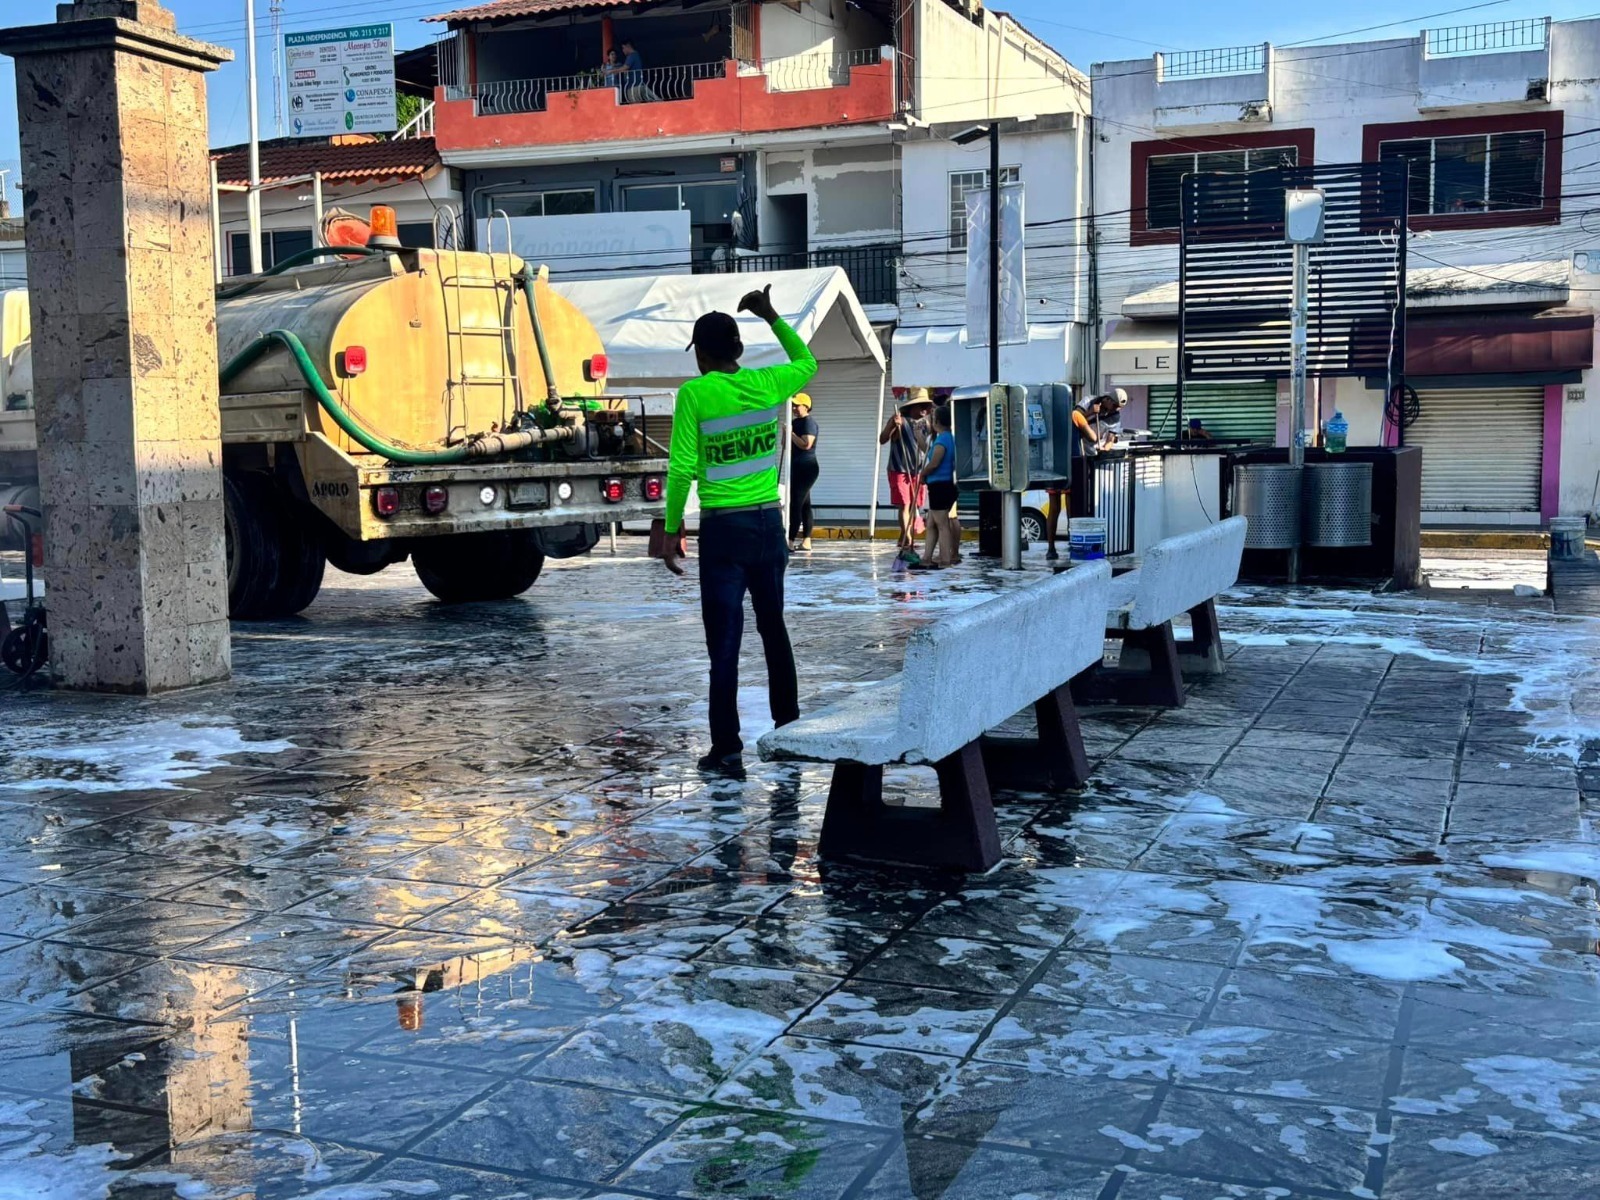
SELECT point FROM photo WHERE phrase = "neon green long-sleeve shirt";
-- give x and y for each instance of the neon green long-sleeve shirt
(727, 432)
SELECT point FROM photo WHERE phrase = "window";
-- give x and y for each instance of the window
(13, 269)
(276, 245)
(963, 182)
(566, 202)
(1164, 177)
(1473, 173)
(416, 235)
(710, 206)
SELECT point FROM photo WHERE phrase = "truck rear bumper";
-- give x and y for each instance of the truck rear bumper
(482, 498)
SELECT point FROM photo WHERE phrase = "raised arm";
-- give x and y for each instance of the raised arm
(802, 365)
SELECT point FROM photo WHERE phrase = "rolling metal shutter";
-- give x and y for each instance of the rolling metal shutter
(844, 397)
(1482, 448)
(1228, 410)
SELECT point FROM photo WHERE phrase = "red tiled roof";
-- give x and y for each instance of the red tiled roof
(524, 8)
(364, 162)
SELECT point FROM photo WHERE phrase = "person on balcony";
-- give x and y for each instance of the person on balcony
(634, 88)
(613, 71)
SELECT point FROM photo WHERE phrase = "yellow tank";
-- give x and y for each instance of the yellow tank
(424, 357)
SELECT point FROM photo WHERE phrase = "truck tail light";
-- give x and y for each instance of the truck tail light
(654, 487)
(353, 361)
(386, 501)
(36, 544)
(435, 499)
(613, 490)
(594, 368)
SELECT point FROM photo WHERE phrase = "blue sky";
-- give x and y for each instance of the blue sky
(1084, 32)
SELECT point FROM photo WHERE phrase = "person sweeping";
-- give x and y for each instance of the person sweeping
(727, 430)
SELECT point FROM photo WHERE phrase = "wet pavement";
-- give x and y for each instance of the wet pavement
(431, 902)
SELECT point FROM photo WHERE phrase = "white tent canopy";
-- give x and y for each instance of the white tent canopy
(645, 321)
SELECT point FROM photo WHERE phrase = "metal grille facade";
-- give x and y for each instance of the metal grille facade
(1236, 273)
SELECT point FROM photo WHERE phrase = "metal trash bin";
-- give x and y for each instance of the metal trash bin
(1337, 504)
(1268, 494)
(1567, 537)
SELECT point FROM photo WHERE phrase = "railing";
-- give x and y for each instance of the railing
(1491, 37)
(452, 73)
(813, 72)
(420, 126)
(1226, 60)
(874, 271)
(648, 86)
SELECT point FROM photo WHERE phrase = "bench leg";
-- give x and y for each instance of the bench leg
(1147, 672)
(1053, 761)
(1202, 654)
(960, 834)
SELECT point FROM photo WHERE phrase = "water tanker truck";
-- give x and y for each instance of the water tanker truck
(382, 403)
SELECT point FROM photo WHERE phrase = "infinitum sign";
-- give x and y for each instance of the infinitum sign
(340, 81)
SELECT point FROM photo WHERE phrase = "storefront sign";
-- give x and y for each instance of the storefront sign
(340, 81)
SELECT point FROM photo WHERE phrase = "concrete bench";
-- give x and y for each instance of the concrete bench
(1183, 574)
(963, 676)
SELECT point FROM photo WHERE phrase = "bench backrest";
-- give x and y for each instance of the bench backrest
(968, 672)
(1184, 571)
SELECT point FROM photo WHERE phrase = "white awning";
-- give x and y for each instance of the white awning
(1140, 352)
(940, 356)
(645, 321)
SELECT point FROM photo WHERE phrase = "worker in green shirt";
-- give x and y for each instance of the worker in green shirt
(727, 440)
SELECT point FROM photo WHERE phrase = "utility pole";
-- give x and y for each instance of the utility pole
(253, 196)
(1010, 501)
(1303, 228)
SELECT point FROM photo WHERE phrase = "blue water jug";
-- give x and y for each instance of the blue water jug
(1335, 433)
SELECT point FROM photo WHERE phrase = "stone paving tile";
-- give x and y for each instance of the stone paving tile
(1037, 1110)
(1292, 1144)
(575, 1133)
(884, 1014)
(1432, 1159)
(838, 1082)
(927, 1166)
(756, 1154)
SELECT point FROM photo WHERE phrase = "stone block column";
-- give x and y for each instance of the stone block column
(112, 108)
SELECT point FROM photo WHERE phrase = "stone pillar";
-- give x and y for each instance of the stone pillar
(112, 107)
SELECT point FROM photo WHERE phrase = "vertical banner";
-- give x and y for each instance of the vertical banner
(1013, 267)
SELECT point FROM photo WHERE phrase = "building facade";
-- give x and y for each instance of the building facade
(745, 136)
(1497, 126)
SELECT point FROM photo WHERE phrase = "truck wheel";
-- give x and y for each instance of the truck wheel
(478, 566)
(250, 525)
(569, 541)
(275, 563)
(301, 560)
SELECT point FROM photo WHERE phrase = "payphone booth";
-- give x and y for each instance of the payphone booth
(991, 426)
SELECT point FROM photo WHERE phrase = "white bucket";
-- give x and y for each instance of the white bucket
(1566, 537)
(1086, 538)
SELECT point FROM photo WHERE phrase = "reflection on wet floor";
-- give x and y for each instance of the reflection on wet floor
(431, 902)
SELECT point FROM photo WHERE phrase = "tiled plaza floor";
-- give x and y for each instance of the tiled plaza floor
(431, 902)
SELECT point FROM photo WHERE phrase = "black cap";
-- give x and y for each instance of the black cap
(718, 335)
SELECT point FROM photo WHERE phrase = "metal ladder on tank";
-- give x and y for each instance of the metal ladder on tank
(458, 286)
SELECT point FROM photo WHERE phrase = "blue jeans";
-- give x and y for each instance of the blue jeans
(744, 552)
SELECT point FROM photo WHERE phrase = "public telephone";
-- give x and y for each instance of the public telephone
(1038, 416)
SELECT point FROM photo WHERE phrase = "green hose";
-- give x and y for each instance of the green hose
(552, 393)
(296, 260)
(331, 405)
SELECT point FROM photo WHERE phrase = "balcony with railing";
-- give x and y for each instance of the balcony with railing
(874, 270)
(1221, 85)
(1494, 62)
(485, 104)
